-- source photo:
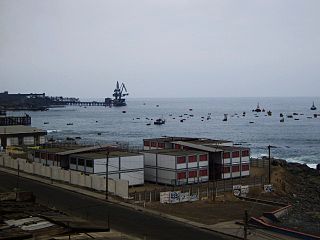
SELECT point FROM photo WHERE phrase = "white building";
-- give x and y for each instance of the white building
(19, 135)
(176, 167)
(121, 165)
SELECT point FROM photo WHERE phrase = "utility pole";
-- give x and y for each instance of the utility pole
(245, 226)
(107, 171)
(18, 175)
(269, 147)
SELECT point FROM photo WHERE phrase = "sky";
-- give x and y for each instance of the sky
(161, 48)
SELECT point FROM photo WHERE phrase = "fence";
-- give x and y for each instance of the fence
(261, 163)
(207, 190)
(117, 187)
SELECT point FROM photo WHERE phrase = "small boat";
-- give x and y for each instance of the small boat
(124, 111)
(159, 121)
(181, 120)
(148, 124)
(225, 117)
(282, 119)
(289, 116)
(269, 113)
(46, 123)
(257, 109)
(190, 109)
(295, 114)
(263, 110)
(157, 105)
(315, 115)
(313, 107)
(69, 124)
(297, 119)
(244, 114)
(77, 137)
(99, 134)
(281, 115)
(251, 122)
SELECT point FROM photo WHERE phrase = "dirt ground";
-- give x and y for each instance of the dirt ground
(209, 212)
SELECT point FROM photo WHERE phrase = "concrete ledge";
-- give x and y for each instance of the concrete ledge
(282, 230)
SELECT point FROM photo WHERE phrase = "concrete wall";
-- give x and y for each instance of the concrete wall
(116, 187)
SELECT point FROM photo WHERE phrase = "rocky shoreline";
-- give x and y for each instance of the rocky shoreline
(298, 185)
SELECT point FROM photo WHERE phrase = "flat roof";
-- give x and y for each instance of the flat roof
(175, 152)
(206, 141)
(210, 147)
(170, 139)
(20, 129)
(232, 148)
(99, 155)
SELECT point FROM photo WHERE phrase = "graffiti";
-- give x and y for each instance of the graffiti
(177, 197)
(268, 188)
(240, 190)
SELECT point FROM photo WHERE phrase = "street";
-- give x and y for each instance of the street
(126, 220)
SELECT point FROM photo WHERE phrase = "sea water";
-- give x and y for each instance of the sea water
(293, 140)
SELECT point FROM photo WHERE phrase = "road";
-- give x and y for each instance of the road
(126, 220)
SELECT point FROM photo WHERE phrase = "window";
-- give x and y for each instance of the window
(43, 155)
(192, 159)
(181, 160)
(245, 167)
(37, 154)
(226, 170)
(51, 157)
(73, 161)
(236, 168)
(146, 143)
(89, 163)
(81, 162)
(176, 146)
(203, 157)
(245, 153)
(192, 174)
(161, 145)
(203, 172)
(181, 175)
(235, 154)
(226, 155)
(153, 144)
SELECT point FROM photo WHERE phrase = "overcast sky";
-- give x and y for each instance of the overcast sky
(161, 48)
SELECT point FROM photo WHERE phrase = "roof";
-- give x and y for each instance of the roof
(100, 155)
(210, 147)
(85, 149)
(175, 152)
(170, 139)
(20, 129)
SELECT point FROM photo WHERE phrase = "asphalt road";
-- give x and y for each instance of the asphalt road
(126, 220)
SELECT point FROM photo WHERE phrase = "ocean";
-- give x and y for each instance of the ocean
(293, 140)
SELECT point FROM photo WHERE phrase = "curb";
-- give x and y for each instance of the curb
(113, 201)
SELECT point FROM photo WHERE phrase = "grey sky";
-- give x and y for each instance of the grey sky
(161, 48)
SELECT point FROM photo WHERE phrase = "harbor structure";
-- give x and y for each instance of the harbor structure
(15, 120)
(175, 167)
(224, 159)
(20, 135)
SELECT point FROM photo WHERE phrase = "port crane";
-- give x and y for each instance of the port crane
(119, 93)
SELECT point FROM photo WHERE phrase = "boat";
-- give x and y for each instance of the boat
(282, 119)
(281, 114)
(269, 113)
(69, 124)
(225, 117)
(289, 116)
(313, 107)
(257, 109)
(159, 121)
(46, 123)
(124, 111)
(148, 124)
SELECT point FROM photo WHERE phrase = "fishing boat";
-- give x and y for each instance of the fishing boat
(159, 121)
(282, 119)
(269, 113)
(313, 107)
(225, 117)
(257, 109)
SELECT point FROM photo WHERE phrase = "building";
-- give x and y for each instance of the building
(121, 165)
(20, 135)
(15, 120)
(175, 167)
(224, 159)
(57, 155)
